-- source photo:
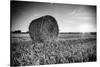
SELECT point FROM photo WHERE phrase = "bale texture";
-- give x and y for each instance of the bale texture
(43, 29)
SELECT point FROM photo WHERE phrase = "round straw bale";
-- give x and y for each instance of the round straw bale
(43, 29)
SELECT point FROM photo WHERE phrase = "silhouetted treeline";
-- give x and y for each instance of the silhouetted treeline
(16, 31)
(19, 31)
(93, 33)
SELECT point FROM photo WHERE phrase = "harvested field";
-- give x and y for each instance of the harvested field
(76, 48)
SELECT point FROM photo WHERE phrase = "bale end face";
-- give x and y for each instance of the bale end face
(43, 29)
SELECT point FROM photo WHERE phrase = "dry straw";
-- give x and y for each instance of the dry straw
(44, 29)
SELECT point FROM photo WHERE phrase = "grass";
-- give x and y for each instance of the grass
(26, 53)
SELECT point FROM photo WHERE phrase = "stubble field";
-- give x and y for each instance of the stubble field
(68, 48)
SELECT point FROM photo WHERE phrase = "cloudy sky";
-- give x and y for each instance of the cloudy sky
(70, 17)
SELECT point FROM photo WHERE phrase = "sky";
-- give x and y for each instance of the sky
(70, 17)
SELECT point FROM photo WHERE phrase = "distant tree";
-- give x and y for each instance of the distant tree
(17, 31)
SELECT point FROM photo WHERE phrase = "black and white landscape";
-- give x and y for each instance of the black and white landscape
(52, 33)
